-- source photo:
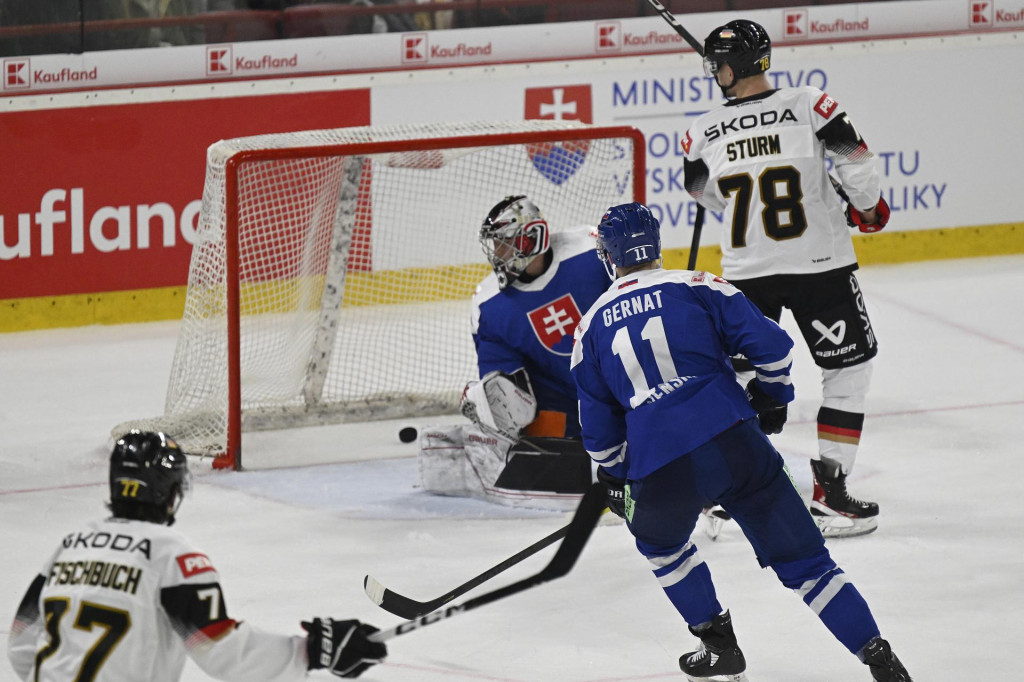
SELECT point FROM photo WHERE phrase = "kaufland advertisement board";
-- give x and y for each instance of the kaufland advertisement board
(101, 188)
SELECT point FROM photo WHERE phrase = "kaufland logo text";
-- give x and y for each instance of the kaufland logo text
(799, 25)
(218, 61)
(984, 15)
(17, 74)
(795, 24)
(414, 48)
(609, 34)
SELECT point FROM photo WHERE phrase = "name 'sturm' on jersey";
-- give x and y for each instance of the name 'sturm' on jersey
(751, 147)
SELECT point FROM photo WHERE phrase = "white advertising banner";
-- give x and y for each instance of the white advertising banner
(938, 112)
(494, 45)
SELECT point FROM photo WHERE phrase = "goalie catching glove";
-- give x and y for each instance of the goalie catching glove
(342, 646)
(501, 403)
(854, 219)
(771, 414)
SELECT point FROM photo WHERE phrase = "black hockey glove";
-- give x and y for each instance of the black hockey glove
(853, 218)
(771, 414)
(342, 646)
(616, 492)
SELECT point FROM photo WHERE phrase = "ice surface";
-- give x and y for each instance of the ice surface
(293, 537)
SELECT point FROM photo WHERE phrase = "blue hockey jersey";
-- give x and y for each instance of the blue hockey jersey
(531, 324)
(651, 366)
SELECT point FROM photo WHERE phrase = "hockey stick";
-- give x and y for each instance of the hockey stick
(698, 220)
(671, 19)
(407, 608)
(576, 535)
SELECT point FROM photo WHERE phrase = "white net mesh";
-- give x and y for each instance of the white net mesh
(356, 265)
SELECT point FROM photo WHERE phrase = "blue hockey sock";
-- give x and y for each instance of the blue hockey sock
(832, 597)
(686, 580)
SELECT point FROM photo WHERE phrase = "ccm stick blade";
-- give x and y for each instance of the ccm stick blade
(576, 534)
(408, 608)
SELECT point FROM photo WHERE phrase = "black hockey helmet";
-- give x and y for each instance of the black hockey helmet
(742, 44)
(148, 476)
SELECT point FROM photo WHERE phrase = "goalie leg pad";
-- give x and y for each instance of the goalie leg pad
(548, 465)
(542, 473)
(461, 461)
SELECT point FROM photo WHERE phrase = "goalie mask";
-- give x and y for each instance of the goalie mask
(512, 235)
(628, 235)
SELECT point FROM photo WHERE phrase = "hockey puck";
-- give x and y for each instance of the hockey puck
(408, 434)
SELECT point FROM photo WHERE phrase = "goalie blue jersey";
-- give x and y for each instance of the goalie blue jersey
(651, 359)
(531, 324)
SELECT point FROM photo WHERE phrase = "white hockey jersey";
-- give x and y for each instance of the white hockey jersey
(126, 601)
(762, 161)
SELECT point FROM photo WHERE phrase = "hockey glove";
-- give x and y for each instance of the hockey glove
(771, 414)
(854, 219)
(342, 646)
(616, 492)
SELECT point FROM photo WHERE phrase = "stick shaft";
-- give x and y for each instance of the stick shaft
(579, 530)
(674, 23)
(408, 608)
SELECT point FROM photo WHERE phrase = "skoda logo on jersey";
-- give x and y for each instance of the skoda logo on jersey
(554, 324)
(559, 161)
(836, 333)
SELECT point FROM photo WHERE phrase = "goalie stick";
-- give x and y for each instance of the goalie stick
(576, 535)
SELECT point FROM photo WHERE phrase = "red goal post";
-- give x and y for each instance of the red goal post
(332, 270)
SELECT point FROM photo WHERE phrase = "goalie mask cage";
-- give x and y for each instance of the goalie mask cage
(332, 270)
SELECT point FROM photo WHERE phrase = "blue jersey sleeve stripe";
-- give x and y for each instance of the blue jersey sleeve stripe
(611, 456)
(784, 363)
(785, 379)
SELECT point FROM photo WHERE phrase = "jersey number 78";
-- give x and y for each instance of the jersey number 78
(783, 214)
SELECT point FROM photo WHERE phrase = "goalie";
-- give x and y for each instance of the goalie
(523, 446)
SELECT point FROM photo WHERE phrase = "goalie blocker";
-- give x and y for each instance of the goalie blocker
(490, 459)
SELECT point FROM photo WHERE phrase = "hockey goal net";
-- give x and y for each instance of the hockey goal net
(332, 270)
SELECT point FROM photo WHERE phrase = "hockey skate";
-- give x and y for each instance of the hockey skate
(719, 658)
(884, 665)
(837, 514)
(714, 518)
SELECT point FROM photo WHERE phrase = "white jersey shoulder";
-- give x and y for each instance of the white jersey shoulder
(767, 175)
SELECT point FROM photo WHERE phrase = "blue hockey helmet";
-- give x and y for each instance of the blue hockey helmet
(628, 235)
